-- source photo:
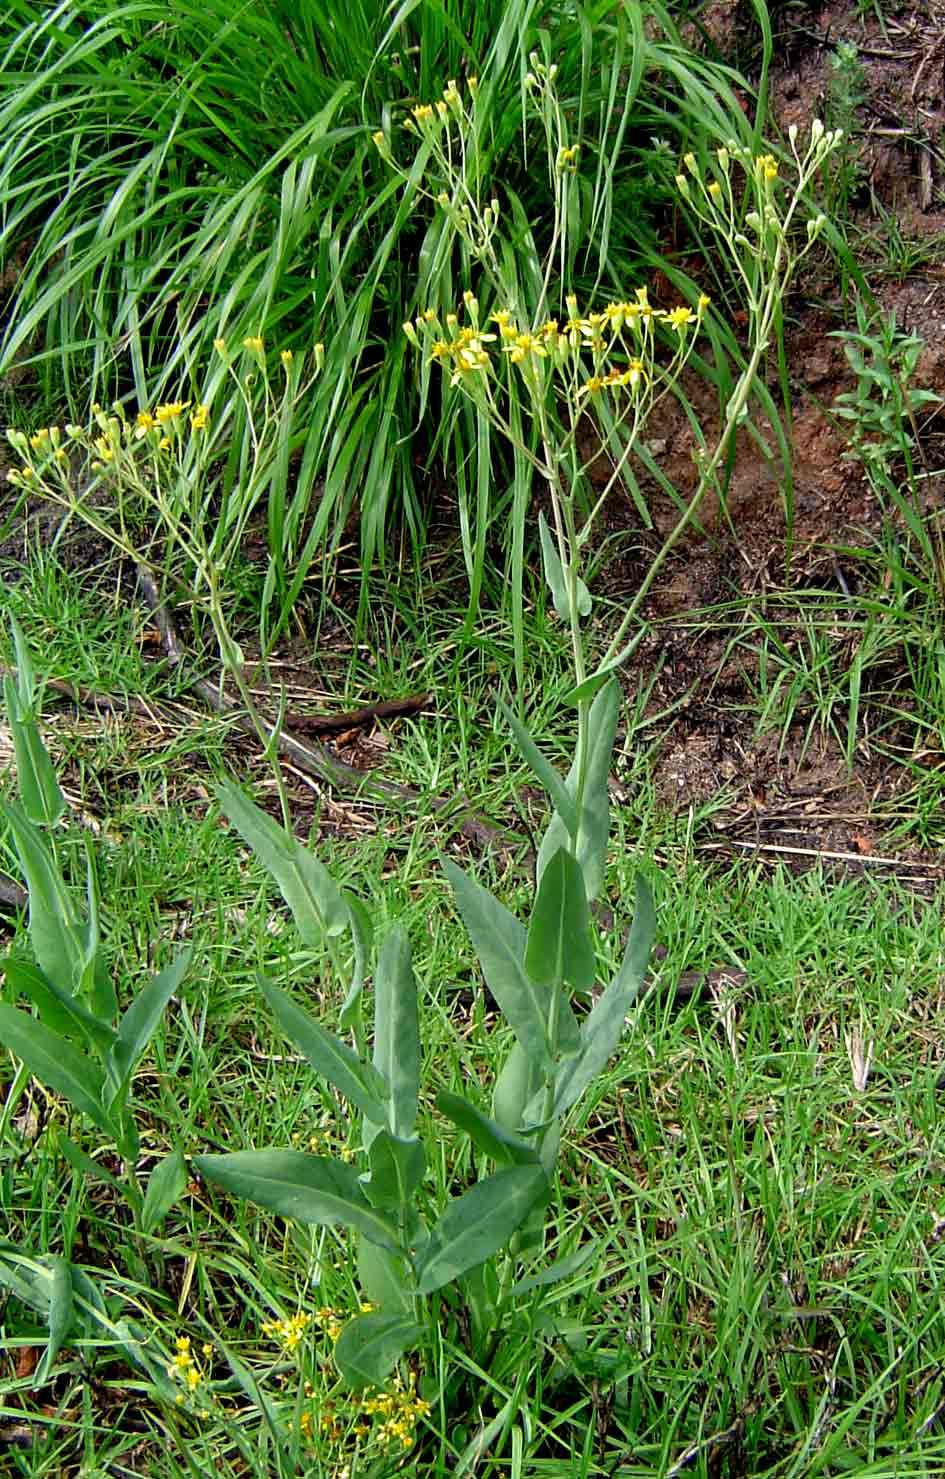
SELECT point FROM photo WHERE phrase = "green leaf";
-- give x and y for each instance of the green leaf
(83, 1163)
(308, 1188)
(499, 942)
(59, 1315)
(43, 802)
(383, 1277)
(360, 1084)
(603, 1027)
(562, 1268)
(140, 1022)
(485, 1133)
(56, 933)
(594, 819)
(556, 577)
(544, 770)
(25, 675)
(306, 885)
(369, 1347)
(397, 1168)
(477, 1224)
(560, 946)
(58, 1009)
(397, 1031)
(362, 936)
(56, 1063)
(596, 681)
(166, 1183)
(519, 1082)
(95, 983)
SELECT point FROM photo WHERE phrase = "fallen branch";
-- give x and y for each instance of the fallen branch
(312, 758)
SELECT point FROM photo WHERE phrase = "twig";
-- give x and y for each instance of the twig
(358, 718)
(314, 759)
(870, 859)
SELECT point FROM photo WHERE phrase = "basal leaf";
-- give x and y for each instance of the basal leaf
(56, 1063)
(603, 1027)
(499, 942)
(42, 801)
(306, 885)
(360, 1084)
(140, 1021)
(166, 1182)
(397, 1168)
(308, 1188)
(397, 1031)
(477, 1224)
(560, 947)
(369, 1347)
(485, 1133)
(58, 1009)
(56, 933)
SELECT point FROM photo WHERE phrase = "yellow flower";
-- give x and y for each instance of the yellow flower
(220, 346)
(525, 346)
(170, 411)
(144, 422)
(715, 190)
(286, 357)
(422, 112)
(39, 438)
(164, 445)
(254, 343)
(592, 386)
(200, 418)
(767, 166)
(704, 301)
(679, 318)
(378, 140)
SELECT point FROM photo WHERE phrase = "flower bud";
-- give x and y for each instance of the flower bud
(411, 333)
(816, 131)
(682, 185)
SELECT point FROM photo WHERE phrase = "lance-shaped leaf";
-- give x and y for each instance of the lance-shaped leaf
(369, 1347)
(594, 810)
(485, 1133)
(397, 1168)
(477, 1224)
(140, 1022)
(166, 1183)
(362, 937)
(397, 1031)
(383, 1276)
(499, 941)
(557, 579)
(56, 932)
(519, 1083)
(58, 1008)
(553, 782)
(360, 1084)
(60, 1314)
(306, 885)
(41, 798)
(559, 946)
(56, 1063)
(308, 1188)
(602, 1028)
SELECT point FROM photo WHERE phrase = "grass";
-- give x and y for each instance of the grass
(751, 1195)
(161, 190)
(765, 1292)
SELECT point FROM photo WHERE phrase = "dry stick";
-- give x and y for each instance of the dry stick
(359, 718)
(313, 759)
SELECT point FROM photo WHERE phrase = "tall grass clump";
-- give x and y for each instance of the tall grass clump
(175, 176)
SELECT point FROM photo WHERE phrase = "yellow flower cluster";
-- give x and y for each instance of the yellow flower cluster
(321, 1143)
(426, 117)
(624, 328)
(289, 1333)
(186, 1370)
(399, 1409)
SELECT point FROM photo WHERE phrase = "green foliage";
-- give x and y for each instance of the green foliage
(472, 1246)
(166, 190)
(76, 1043)
(882, 406)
